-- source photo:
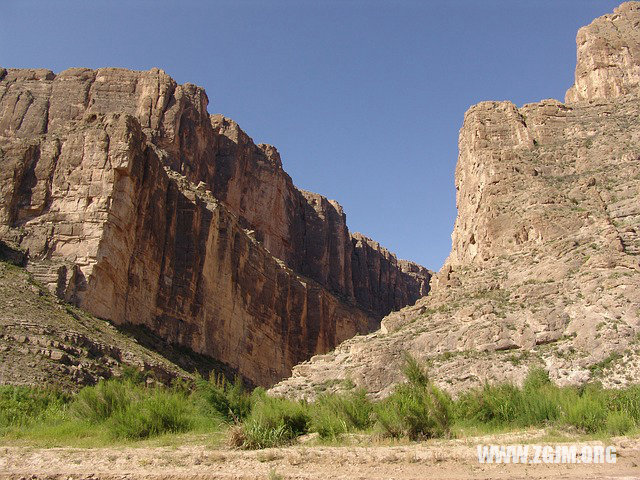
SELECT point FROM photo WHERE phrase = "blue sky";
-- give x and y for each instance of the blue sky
(363, 98)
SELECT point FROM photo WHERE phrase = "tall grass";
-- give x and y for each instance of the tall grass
(230, 401)
(416, 409)
(118, 408)
(273, 422)
(589, 409)
(333, 415)
(127, 409)
(99, 403)
(538, 402)
(22, 406)
(157, 413)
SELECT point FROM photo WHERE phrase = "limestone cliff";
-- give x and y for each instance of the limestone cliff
(544, 267)
(137, 205)
(608, 56)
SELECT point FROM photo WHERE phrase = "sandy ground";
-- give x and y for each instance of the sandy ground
(451, 459)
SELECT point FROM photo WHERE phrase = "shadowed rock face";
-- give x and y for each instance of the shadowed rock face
(139, 206)
(544, 267)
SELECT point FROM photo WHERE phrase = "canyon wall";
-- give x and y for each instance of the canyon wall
(137, 205)
(544, 268)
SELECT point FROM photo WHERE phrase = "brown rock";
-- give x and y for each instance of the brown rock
(137, 205)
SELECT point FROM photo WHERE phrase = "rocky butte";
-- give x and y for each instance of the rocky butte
(134, 203)
(544, 268)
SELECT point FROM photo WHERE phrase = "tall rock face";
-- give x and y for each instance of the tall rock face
(137, 205)
(608, 56)
(544, 268)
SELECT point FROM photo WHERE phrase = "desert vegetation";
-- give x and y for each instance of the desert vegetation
(133, 408)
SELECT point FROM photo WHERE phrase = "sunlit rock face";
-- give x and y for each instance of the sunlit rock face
(608, 63)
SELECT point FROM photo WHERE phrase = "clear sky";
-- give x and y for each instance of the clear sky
(363, 98)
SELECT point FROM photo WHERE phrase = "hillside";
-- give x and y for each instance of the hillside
(44, 341)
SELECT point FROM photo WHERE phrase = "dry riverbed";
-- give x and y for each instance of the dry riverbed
(442, 459)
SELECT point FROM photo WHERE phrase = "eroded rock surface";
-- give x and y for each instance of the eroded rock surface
(544, 268)
(608, 56)
(137, 205)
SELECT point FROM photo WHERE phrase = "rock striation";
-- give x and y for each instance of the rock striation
(135, 204)
(544, 268)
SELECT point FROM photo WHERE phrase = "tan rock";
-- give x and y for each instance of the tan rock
(608, 56)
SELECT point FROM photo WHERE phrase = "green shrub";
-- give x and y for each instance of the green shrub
(416, 409)
(158, 412)
(627, 400)
(586, 412)
(536, 379)
(100, 402)
(619, 423)
(494, 405)
(229, 401)
(273, 422)
(540, 400)
(133, 375)
(505, 405)
(20, 406)
(333, 415)
(126, 408)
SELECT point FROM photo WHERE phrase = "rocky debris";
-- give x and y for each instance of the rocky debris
(46, 342)
(138, 206)
(544, 267)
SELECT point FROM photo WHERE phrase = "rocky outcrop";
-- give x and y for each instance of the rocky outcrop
(137, 205)
(377, 276)
(608, 63)
(544, 267)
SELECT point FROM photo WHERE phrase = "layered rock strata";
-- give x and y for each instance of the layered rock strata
(544, 267)
(137, 205)
(44, 341)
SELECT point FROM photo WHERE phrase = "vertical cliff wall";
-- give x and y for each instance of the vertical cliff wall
(137, 205)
